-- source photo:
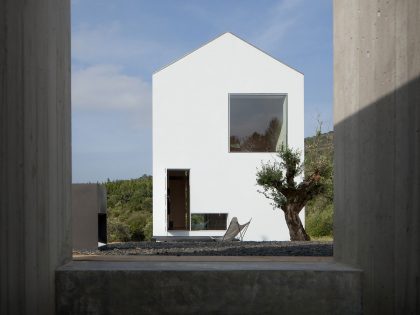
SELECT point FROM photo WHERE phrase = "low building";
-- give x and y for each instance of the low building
(89, 215)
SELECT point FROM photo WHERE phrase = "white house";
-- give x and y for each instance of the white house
(218, 112)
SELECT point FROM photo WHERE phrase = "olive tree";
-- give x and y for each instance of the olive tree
(278, 180)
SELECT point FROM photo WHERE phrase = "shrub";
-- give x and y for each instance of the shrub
(137, 222)
(320, 223)
(117, 231)
(129, 212)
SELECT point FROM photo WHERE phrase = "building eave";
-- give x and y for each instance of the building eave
(264, 52)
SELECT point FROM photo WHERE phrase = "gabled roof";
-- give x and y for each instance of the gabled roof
(175, 61)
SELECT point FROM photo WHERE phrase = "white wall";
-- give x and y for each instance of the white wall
(190, 131)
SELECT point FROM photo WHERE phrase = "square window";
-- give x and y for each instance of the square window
(257, 122)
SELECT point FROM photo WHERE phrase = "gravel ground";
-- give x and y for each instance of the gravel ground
(214, 249)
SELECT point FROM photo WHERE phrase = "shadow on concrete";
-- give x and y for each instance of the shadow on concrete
(377, 198)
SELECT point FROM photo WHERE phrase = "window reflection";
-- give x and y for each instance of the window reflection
(257, 122)
(208, 221)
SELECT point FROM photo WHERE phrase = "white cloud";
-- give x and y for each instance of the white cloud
(274, 33)
(106, 87)
(110, 43)
(287, 5)
(280, 20)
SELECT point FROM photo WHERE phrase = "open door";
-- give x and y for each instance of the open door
(178, 200)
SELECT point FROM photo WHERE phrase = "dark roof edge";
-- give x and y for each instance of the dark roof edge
(264, 52)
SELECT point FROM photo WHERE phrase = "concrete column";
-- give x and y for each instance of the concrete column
(35, 152)
(377, 149)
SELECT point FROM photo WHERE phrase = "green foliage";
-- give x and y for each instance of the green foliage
(319, 210)
(319, 221)
(129, 212)
(279, 175)
(278, 182)
(140, 224)
(278, 178)
(197, 219)
(117, 231)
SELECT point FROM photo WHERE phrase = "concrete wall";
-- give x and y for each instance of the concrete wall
(377, 149)
(191, 131)
(35, 157)
(170, 287)
(88, 200)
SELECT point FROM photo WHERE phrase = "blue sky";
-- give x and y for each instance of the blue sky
(117, 45)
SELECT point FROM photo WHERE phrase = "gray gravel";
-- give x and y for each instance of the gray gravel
(197, 248)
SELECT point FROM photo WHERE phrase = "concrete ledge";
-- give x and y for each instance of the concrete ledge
(154, 258)
(199, 287)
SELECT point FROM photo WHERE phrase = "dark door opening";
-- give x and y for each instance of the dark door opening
(102, 237)
(178, 203)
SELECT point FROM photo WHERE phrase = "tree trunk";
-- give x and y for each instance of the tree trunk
(296, 230)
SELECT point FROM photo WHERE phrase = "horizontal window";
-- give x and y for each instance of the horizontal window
(257, 122)
(208, 221)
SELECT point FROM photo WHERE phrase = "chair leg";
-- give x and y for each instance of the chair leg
(244, 230)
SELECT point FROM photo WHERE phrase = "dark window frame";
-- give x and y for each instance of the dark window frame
(285, 120)
(209, 214)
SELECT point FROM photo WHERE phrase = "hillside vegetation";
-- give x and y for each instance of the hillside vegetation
(130, 201)
(319, 211)
(129, 212)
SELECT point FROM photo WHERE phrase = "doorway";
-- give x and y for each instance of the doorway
(178, 200)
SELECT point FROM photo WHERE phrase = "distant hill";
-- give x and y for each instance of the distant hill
(325, 144)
